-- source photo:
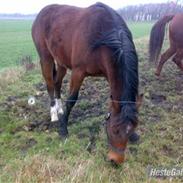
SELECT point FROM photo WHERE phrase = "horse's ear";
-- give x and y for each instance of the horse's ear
(139, 100)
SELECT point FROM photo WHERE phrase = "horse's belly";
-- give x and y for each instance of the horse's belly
(94, 70)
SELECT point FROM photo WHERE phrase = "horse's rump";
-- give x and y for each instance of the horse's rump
(176, 30)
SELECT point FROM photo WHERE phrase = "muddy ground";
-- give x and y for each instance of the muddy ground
(160, 120)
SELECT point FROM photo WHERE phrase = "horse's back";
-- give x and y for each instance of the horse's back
(51, 13)
(67, 32)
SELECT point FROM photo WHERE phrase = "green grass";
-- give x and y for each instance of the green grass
(16, 41)
(38, 155)
(140, 29)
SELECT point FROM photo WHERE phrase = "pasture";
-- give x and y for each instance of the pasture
(30, 149)
(16, 41)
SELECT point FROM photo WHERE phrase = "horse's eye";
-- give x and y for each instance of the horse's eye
(116, 132)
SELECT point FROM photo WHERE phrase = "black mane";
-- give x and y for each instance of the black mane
(119, 39)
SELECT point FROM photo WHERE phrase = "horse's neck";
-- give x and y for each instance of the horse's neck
(116, 93)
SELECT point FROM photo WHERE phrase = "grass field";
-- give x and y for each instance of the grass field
(30, 149)
(16, 41)
(140, 29)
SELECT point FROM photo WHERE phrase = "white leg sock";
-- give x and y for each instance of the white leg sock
(53, 113)
(59, 106)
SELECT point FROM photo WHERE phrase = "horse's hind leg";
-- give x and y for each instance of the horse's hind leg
(164, 57)
(60, 73)
(77, 77)
(178, 58)
(47, 66)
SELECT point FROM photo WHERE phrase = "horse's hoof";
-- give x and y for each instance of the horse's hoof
(157, 74)
(134, 137)
(63, 135)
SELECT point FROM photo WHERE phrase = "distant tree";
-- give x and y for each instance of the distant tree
(149, 12)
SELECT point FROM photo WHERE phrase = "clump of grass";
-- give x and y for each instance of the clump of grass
(34, 169)
(40, 168)
(27, 62)
(10, 76)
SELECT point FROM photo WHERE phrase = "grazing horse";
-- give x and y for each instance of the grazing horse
(93, 41)
(175, 37)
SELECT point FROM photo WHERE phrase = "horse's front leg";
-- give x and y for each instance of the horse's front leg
(77, 77)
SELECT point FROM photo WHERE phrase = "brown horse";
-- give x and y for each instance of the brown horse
(93, 41)
(175, 37)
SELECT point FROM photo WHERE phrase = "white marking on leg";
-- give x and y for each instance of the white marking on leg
(53, 113)
(59, 106)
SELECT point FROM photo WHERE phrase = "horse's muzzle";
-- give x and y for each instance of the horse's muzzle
(114, 157)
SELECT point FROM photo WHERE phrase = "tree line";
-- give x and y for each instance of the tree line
(150, 12)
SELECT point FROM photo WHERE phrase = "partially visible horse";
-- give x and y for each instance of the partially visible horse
(93, 41)
(175, 37)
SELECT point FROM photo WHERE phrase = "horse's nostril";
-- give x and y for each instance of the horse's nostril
(112, 161)
(115, 164)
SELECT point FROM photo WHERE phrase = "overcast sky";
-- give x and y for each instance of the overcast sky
(34, 6)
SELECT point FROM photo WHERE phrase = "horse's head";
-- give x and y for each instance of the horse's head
(118, 133)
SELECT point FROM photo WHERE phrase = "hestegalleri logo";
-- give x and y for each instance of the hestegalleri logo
(162, 172)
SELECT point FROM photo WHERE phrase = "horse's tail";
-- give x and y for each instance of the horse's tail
(157, 37)
(120, 42)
